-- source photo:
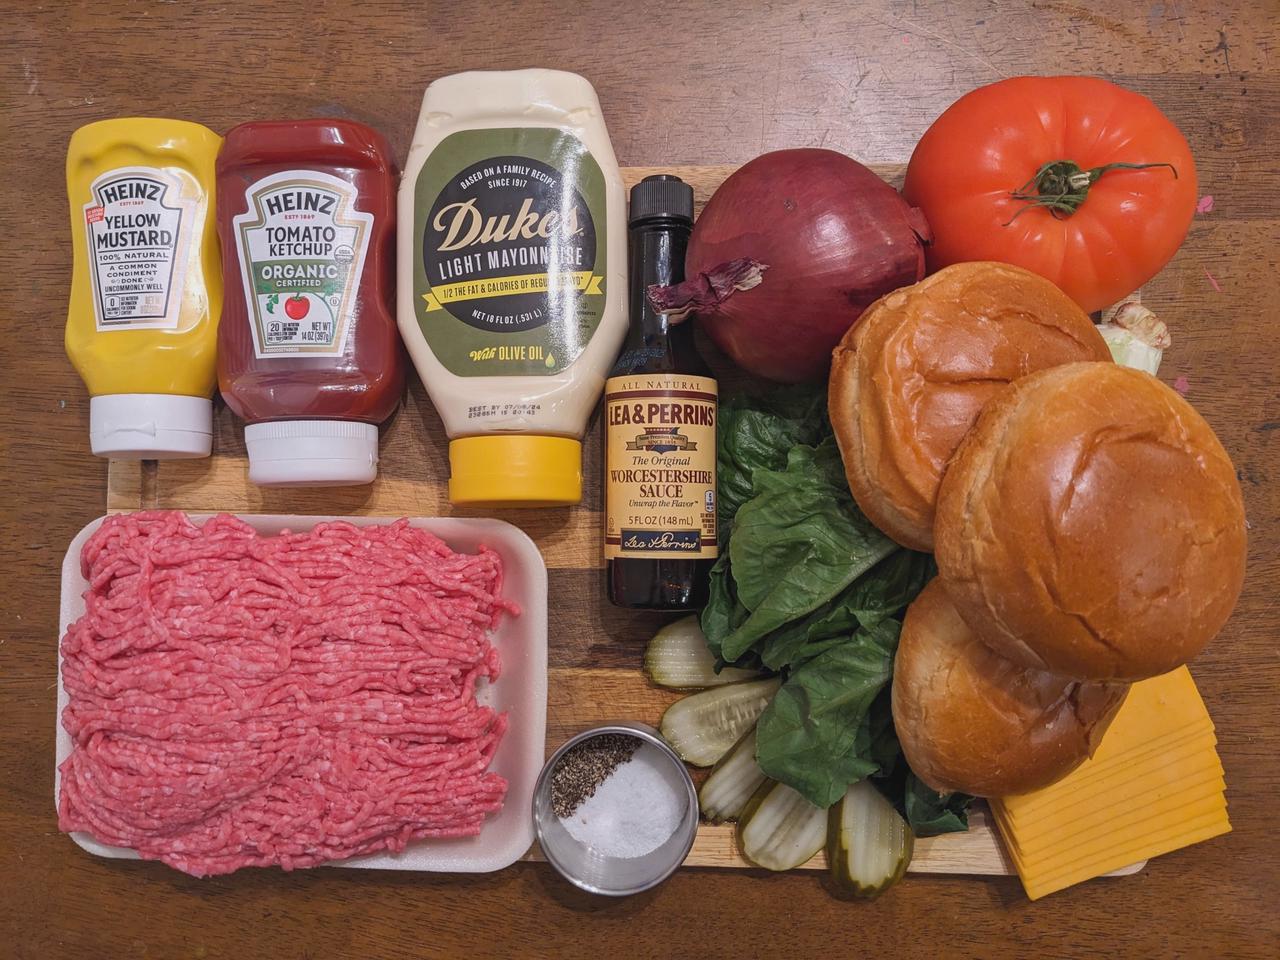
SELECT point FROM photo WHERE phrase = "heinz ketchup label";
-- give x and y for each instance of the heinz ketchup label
(302, 248)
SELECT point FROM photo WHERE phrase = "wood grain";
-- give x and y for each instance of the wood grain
(711, 84)
(966, 854)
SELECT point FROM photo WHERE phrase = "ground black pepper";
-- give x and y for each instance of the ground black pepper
(585, 766)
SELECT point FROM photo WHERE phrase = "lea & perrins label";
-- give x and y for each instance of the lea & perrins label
(660, 466)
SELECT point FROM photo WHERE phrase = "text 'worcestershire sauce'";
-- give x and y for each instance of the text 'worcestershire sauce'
(660, 409)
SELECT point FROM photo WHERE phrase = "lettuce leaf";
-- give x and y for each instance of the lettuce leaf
(723, 613)
(807, 587)
(930, 813)
(808, 735)
(882, 744)
(881, 593)
(887, 588)
(756, 433)
(796, 544)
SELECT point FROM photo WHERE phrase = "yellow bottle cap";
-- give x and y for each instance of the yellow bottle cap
(515, 470)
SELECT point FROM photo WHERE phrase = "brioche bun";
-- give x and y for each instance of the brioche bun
(908, 381)
(1091, 524)
(970, 720)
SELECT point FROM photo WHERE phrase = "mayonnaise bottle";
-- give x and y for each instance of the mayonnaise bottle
(146, 288)
(512, 289)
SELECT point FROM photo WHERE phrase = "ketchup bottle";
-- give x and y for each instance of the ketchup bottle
(308, 351)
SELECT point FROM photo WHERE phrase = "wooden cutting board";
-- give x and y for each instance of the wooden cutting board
(594, 649)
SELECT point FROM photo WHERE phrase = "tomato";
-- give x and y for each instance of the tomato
(990, 179)
(297, 306)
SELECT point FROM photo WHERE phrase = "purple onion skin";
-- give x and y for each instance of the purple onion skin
(832, 238)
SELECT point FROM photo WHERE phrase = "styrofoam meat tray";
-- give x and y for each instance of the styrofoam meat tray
(520, 690)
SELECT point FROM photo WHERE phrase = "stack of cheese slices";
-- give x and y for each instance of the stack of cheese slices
(1089, 533)
(1155, 784)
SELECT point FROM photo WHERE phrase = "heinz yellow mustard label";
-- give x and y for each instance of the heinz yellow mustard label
(660, 466)
(146, 286)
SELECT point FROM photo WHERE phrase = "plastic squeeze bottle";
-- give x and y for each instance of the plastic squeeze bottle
(308, 352)
(146, 287)
(512, 287)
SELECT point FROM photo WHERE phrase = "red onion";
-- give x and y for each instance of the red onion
(833, 238)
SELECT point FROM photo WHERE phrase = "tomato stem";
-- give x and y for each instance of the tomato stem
(1061, 186)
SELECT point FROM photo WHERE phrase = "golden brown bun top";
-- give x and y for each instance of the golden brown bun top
(908, 381)
(1091, 524)
(970, 720)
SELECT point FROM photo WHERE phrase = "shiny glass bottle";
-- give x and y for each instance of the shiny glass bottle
(660, 426)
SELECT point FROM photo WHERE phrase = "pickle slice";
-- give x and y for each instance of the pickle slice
(677, 657)
(733, 780)
(702, 727)
(868, 843)
(780, 829)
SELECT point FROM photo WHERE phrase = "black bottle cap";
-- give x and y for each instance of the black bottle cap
(661, 195)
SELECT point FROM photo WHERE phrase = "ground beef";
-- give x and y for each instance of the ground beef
(239, 700)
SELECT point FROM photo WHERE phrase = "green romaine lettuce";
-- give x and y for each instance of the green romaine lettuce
(931, 813)
(756, 433)
(807, 735)
(723, 613)
(883, 591)
(796, 544)
(806, 586)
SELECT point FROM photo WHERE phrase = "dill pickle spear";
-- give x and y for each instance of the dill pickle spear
(780, 829)
(678, 658)
(869, 845)
(702, 727)
(733, 780)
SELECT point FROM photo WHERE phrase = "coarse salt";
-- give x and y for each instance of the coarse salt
(635, 810)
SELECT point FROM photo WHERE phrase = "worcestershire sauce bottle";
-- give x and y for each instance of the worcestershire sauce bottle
(660, 426)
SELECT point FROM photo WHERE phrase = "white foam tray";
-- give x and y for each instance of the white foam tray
(520, 690)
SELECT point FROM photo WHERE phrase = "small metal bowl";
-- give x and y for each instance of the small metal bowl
(613, 876)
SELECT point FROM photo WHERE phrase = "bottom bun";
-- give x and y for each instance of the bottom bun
(971, 721)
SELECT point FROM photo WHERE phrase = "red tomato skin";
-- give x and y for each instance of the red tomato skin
(297, 307)
(994, 139)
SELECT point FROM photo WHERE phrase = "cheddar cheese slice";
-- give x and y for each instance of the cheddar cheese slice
(1124, 785)
(1152, 708)
(1205, 828)
(1212, 807)
(1155, 784)
(1211, 811)
(1094, 771)
(1144, 816)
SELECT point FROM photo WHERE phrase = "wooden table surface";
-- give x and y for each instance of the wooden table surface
(711, 84)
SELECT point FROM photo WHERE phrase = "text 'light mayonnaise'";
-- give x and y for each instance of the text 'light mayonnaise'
(512, 290)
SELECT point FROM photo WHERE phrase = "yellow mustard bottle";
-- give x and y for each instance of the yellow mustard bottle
(146, 290)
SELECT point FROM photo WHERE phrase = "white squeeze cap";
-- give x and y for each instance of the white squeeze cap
(312, 453)
(150, 426)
